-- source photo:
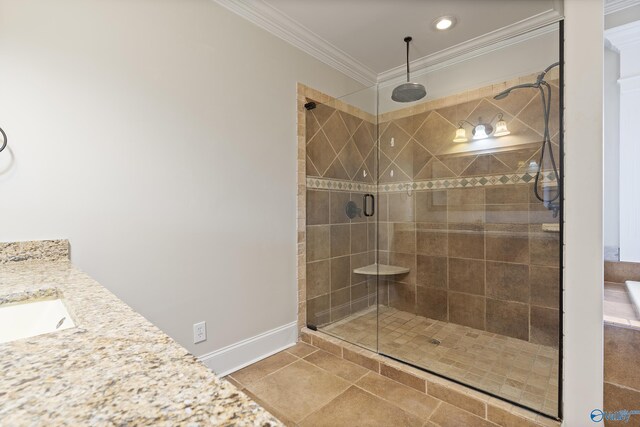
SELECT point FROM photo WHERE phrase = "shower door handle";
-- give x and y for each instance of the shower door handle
(373, 205)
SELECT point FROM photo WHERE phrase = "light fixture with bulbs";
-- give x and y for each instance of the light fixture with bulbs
(482, 129)
(444, 23)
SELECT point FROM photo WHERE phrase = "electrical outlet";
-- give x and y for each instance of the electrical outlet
(199, 332)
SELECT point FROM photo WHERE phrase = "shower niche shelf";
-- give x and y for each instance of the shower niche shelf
(381, 270)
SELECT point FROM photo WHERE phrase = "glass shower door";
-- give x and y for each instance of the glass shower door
(341, 166)
(471, 228)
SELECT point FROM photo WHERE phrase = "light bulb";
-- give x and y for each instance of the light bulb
(444, 22)
(480, 132)
(461, 135)
(501, 129)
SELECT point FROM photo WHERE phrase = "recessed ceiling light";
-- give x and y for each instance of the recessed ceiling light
(444, 22)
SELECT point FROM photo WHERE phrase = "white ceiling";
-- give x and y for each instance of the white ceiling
(363, 38)
(371, 32)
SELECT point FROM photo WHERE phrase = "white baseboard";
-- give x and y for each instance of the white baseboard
(236, 356)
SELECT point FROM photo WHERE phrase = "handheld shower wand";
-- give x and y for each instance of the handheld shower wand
(545, 96)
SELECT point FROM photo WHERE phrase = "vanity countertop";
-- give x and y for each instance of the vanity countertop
(114, 368)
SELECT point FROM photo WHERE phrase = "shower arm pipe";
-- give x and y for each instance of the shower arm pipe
(407, 40)
(546, 70)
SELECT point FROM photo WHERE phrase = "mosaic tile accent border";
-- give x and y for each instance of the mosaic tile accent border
(339, 185)
(432, 184)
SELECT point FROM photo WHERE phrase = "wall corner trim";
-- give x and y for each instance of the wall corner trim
(612, 6)
(243, 353)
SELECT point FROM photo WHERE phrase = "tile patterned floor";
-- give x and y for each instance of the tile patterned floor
(517, 370)
(306, 386)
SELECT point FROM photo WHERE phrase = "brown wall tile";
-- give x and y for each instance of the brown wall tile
(318, 310)
(317, 207)
(403, 377)
(340, 304)
(340, 240)
(361, 359)
(402, 237)
(619, 272)
(545, 248)
(467, 310)
(507, 281)
(466, 275)
(617, 398)
(404, 260)
(507, 243)
(461, 400)
(402, 296)
(358, 199)
(508, 318)
(431, 239)
(357, 261)
(359, 238)
(318, 243)
(431, 303)
(447, 415)
(432, 271)
(545, 286)
(507, 214)
(340, 272)
(507, 419)
(431, 206)
(359, 297)
(338, 212)
(401, 207)
(466, 196)
(471, 214)
(318, 276)
(544, 326)
(621, 352)
(466, 241)
(382, 208)
(539, 214)
(507, 194)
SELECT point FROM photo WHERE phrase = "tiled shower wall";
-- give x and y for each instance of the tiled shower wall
(473, 237)
(340, 147)
(466, 223)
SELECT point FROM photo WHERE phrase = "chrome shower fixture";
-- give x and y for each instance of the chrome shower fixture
(408, 92)
(541, 85)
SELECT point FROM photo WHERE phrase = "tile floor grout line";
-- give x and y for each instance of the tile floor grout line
(326, 403)
(270, 373)
(395, 404)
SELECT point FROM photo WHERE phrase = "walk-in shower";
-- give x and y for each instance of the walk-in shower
(436, 250)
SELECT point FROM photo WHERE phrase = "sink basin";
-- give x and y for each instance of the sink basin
(31, 318)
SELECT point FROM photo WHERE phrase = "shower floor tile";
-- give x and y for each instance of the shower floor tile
(518, 370)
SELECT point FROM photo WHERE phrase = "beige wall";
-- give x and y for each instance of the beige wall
(159, 136)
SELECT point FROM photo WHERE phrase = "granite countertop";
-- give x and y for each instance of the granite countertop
(113, 368)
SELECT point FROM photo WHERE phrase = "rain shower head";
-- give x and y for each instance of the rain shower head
(408, 92)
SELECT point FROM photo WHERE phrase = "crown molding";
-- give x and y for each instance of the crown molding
(622, 36)
(612, 6)
(498, 39)
(280, 25)
(431, 66)
(277, 23)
